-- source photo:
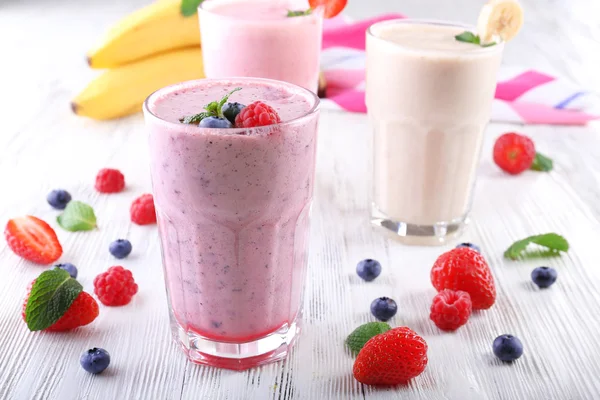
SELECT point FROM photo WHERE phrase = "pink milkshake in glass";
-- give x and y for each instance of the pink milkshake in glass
(233, 208)
(257, 38)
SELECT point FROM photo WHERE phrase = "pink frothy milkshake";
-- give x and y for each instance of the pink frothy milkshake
(233, 208)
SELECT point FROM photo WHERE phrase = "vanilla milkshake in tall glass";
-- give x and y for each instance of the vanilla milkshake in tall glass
(429, 99)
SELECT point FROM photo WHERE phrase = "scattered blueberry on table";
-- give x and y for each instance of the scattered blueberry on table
(120, 248)
(544, 276)
(507, 347)
(95, 360)
(368, 269)
(383, 308)
(70, 268)
(58, 199)
(470, 246)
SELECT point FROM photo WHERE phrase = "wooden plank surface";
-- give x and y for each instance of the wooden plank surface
(43, 146)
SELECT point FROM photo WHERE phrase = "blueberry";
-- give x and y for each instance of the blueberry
(368, 269)
(70, 268)
(231, 110)
(95, 360)
(544, 276)
(58, 198)
(470, 246)
(383, 308)
(507, 347)
(120, 248)
(215, 122)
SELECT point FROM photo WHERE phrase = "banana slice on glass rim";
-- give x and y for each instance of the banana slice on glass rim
(499, 19)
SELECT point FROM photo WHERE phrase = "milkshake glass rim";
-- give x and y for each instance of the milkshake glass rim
(499, 46)
(203, 7)
(233, 81)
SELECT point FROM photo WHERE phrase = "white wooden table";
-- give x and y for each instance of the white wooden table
(43, 146)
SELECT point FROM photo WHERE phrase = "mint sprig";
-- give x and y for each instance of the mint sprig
(361, 335)
(51, 296)
(190, 7)
(552, 241)
(212, 109)
(542, 163)
(298, 13)
(470, 37)
(77, 216)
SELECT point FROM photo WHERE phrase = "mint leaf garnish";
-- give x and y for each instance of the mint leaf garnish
(470, 37)
(361, 335)
(77, 216)
(298, 13)
(190, 7)
(554, 242)
(542, 163)
(213, 109)
(51, 296)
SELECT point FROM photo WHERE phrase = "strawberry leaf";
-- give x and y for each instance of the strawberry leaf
(77, 216)
(542, 163)
(51, 296)
(552, 241)
(361, 335)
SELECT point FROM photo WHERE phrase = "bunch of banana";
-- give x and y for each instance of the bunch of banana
(151, 48)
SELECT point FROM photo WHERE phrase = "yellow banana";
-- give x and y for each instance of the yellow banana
(121, 91)
(156, 28)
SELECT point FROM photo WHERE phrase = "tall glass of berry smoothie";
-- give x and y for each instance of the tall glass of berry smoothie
(258, 38)
(233, 192)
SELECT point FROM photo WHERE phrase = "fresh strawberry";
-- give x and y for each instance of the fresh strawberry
(33, 239)
(514, 153)
(390, 358)
(82, 311)
(465, 269)
(331, 7)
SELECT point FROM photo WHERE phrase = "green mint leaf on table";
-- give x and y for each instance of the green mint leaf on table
(213, 109)
(470, 37)
(189, 7)
(361, 335)
(51, 296)
(298, 13)
(542, 163)
(552, 241)
(77, 216)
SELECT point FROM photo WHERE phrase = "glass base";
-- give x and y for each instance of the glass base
(420, 235)
(237, 356)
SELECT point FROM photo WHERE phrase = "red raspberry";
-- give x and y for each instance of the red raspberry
(257, 114)
(451, 309)
(83, 311)
(110, 181)
(514, 153)
(465, 269)
(390, 358)
(142, 210)
(115, 287)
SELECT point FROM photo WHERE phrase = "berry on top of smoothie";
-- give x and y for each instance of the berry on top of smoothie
(213, 116)
(223, 115)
